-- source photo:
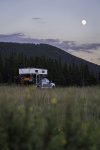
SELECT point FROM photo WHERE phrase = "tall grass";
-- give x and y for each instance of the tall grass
(49, 119)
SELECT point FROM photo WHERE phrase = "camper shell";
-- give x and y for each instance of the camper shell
(35, 76)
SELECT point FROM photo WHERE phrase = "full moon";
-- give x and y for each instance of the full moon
(84, 22)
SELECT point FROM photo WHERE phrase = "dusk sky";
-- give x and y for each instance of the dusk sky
(56, 22)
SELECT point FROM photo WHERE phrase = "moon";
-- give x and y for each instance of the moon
(84, 22)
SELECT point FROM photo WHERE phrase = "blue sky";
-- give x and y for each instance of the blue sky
(57, 22)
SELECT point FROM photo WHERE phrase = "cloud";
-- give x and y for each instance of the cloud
(65, 45)
(36, 18)
(15, 37)
(11, 35)
(88, 47)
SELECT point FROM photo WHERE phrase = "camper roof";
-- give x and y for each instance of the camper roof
(33, 71)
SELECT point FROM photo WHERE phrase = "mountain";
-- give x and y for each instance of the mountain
(48, 51)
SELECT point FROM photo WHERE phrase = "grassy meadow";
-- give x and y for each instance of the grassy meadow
(49, 119)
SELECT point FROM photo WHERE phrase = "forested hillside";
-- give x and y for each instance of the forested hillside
(63, 68)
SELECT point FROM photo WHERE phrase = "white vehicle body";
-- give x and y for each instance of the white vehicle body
(31, 75)
(35, 76)
(37, 71)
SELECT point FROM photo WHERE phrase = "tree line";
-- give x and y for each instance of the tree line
(63, 74)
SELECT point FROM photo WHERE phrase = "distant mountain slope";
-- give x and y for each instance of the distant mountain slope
(45, 50)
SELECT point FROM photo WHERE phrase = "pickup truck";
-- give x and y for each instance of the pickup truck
(45, 83)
